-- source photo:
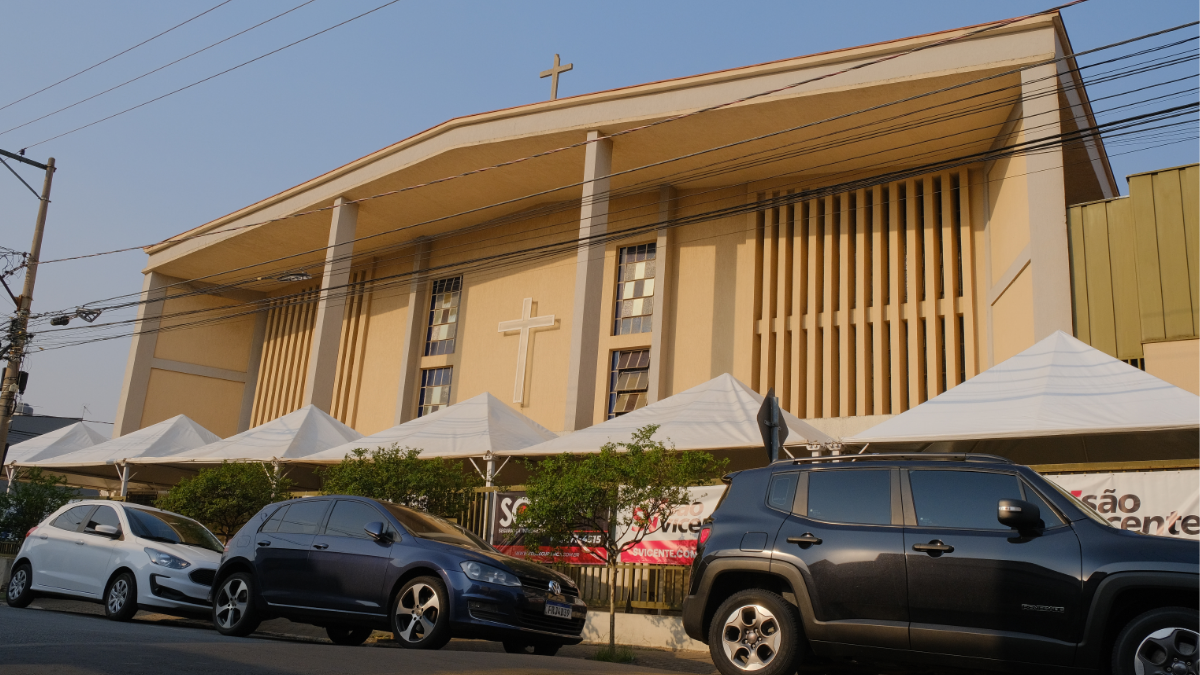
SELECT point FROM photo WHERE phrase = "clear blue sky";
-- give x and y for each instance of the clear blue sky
(224, 144)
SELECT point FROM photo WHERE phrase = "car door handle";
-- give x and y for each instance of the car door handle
(320, 547)
(804, 540)
(934, 548)
(79, 541)
(264, 543)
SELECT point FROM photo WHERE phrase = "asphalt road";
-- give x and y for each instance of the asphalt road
(52, 642)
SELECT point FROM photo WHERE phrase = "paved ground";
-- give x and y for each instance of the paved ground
(73, 638)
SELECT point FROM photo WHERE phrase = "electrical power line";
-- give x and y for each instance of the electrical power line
(1051, 91)
(389, 193)
(151, 72)
(223, 72)
(96, 65)
(560, 248)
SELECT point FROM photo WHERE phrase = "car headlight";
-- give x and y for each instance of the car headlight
(489, 574)
(164, 559)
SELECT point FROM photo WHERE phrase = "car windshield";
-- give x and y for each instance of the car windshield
(1087, 511)
(171, 528)
(432, 527)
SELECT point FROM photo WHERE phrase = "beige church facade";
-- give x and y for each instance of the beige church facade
(875, 244)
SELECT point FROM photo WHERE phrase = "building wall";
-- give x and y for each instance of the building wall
(1135, 268)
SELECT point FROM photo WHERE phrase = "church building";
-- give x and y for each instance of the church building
(859, 233)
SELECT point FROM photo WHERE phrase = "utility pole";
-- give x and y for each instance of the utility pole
(18, 337)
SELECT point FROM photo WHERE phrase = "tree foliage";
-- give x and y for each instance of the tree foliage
(36, 495)
(226, 497)
(617, 496)
(400, 476)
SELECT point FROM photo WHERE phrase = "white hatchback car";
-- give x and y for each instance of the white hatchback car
(123, 555)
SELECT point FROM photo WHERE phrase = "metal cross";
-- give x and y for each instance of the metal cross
(553, 75)
(525, 324)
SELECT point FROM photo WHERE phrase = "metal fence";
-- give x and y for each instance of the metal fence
(638, 586)
(9, 547)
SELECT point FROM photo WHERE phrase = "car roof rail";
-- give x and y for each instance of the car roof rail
(918, 456)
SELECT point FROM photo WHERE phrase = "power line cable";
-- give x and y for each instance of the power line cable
(560, 248)
(96, 65)
(1045, 91)
(223, 72)
(151, 72)
(185, 237)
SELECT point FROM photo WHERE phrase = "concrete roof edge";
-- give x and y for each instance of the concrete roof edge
(685, 82)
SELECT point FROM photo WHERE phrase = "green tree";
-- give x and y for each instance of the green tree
(398, 475)
(226, 497)
(36, 495)
(617, 497)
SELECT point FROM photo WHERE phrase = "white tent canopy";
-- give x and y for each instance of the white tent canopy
(297, 434)
(168, 438)
(1079, 400)
(470, 428)
(106, 465)
(55, 443)
(721, 414)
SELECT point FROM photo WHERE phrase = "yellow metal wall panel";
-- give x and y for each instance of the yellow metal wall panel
(881, 383)
(816, 292)
(1079, 287)
(1189, 188)
(1099, 278)
(1172, 256)
(1124, 279)
(1141, 197)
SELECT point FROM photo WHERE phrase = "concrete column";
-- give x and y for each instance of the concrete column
(589, 277)
(1049, 259)
(662, 300)
(331, 303)
(414, 337)
(141, 354)
(252, 367)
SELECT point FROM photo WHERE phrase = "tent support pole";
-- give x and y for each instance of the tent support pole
(123, 472)
(10, 472)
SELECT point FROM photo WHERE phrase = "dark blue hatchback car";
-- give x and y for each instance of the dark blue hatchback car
(352, 565)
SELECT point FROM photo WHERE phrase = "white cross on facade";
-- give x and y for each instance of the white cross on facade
(525, 324)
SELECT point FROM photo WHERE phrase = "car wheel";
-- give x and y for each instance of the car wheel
(420, 614)
(233, 606)
(349, 636)
(19, 585)
(755, 631)
(120, 598)
(1160, 641)
(538, 648)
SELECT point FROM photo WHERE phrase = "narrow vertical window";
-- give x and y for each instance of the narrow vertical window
(443, 316)
(435, 390)
(628, 382)
(635, 290)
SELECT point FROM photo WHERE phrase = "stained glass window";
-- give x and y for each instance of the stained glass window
(635, 290)
(435, 390)
(628, 382)
(443, 316)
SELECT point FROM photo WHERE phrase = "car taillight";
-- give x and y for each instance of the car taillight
(704, 534)
(31, 531)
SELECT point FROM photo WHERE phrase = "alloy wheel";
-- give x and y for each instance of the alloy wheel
(16, 585)
(232, 601)
(117, 595)
(751, 637)
(417, 612)
(1169, 651)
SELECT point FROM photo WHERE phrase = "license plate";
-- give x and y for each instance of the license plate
(556, 610)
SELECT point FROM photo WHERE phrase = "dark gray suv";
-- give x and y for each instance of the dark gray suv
(933, 561)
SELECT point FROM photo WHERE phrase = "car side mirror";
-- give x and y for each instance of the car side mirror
(108, 531)
(377, 532)
(1018, 514)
